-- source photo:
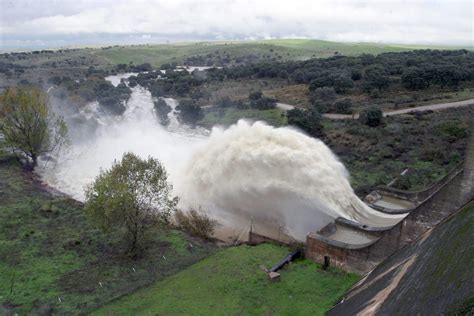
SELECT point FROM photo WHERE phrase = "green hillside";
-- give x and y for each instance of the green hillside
(281, 49)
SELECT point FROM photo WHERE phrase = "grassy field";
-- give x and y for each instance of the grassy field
(226, 117)
(296, 95)
(288, 49)
(52, 261)
(231, 282)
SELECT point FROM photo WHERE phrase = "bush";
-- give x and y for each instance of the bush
(225, 102)
(452, 131)
(308, 120)
(189, 112)
(196, 223)
(259, 102)
(162, 110)
(372, 117)
(413, 78)
(255, 95)
(343, 106)
(322, 98)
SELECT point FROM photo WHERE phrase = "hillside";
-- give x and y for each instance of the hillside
(237, 52)
(54, 261)
(430, 277)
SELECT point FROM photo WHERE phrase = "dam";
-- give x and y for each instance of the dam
(258, 181)
(359, 248)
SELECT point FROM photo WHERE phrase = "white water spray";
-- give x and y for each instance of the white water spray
(277, 178)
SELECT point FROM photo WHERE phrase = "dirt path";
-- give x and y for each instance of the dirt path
(422, 108)
(285, 106)
(432, 107)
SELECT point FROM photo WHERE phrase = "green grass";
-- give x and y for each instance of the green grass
(275, 117)
(288, 49)
(52, 259)
(231, 282)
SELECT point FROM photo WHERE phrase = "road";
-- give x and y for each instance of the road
(430, 107)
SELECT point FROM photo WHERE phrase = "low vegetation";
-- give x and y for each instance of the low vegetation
(196, 223)
(428, 144)
(232, 282)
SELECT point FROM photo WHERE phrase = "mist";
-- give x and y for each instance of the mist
(277, 180)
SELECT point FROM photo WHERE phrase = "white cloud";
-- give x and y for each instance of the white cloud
(443, 22)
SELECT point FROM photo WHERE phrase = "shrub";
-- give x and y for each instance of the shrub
(196, 223)
(343, 106)
(452, 131)
(162, 110)
(372, 117)
(189, 112)
(308, 120)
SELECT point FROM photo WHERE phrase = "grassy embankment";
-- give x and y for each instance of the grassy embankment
(53, 261)
(231, 282)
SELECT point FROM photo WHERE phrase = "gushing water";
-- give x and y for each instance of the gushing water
(277, 179)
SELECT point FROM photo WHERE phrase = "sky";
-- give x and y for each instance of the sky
(65, 23)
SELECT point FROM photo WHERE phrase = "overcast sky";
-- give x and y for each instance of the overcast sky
(55, 23)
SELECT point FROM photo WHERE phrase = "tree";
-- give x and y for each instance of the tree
(189, 112)
(134, 194)
(308, 120)
(322, 98)
(340, 81)
(162, 109)
(447, 75)
(343, 106)
(376, 77)
(28, 126)
(413, 78)
(372, 117)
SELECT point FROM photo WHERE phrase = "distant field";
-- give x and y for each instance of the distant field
(287, 49)
(275, 117)
(231, 282)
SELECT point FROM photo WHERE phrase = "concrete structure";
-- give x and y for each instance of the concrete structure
(358, 248)
(432, 276)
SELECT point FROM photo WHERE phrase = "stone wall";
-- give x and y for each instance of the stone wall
(356, 261)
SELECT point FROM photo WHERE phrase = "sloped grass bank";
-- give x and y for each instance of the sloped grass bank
(231, 282)
(52, 261)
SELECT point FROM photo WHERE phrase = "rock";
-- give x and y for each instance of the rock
(274, 276)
